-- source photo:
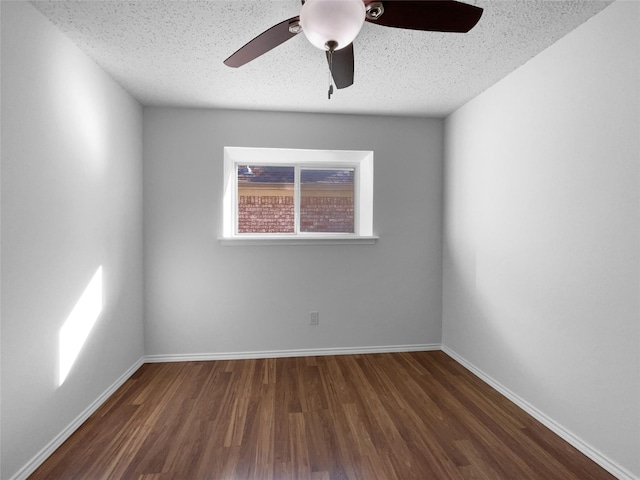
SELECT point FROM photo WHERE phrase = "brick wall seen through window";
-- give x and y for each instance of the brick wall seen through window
(266, 200)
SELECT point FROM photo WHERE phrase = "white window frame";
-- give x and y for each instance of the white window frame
(361, 161)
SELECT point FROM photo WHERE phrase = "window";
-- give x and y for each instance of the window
(297, 196)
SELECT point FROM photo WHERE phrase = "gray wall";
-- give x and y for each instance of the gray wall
(71, 201)
(541, 237)
(202, 297)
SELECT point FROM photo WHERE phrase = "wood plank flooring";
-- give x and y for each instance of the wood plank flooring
(398, 416)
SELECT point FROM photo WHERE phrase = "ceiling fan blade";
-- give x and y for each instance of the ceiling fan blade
(264, 42)
(429, 15)
(342, 66)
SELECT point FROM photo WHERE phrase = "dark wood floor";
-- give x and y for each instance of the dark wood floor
(398, 416)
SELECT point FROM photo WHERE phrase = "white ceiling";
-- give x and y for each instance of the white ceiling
(171, 53)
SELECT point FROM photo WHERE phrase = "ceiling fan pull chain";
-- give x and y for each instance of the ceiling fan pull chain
(330, 74)
(331, 47)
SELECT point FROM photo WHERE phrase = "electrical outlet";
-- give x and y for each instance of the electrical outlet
(314, 318)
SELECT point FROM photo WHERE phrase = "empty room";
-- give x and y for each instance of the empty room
(320, 240)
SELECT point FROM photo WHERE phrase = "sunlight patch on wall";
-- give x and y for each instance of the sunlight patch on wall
(79, 324)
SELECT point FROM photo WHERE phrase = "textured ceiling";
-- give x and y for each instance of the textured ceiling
(171, 53)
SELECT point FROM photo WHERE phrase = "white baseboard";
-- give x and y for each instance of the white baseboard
(311, 352)
(612, 467)
(43, 454)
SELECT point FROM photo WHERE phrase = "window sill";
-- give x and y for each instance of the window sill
(299, 240)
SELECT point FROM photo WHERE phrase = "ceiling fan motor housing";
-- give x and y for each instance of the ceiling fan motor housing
(374, 10)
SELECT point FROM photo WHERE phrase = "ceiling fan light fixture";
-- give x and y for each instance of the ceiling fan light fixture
(326, 21)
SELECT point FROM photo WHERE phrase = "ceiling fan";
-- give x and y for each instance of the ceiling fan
(332, 25)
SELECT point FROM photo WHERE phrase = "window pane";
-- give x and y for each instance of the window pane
(326, 200)
(265, 199)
